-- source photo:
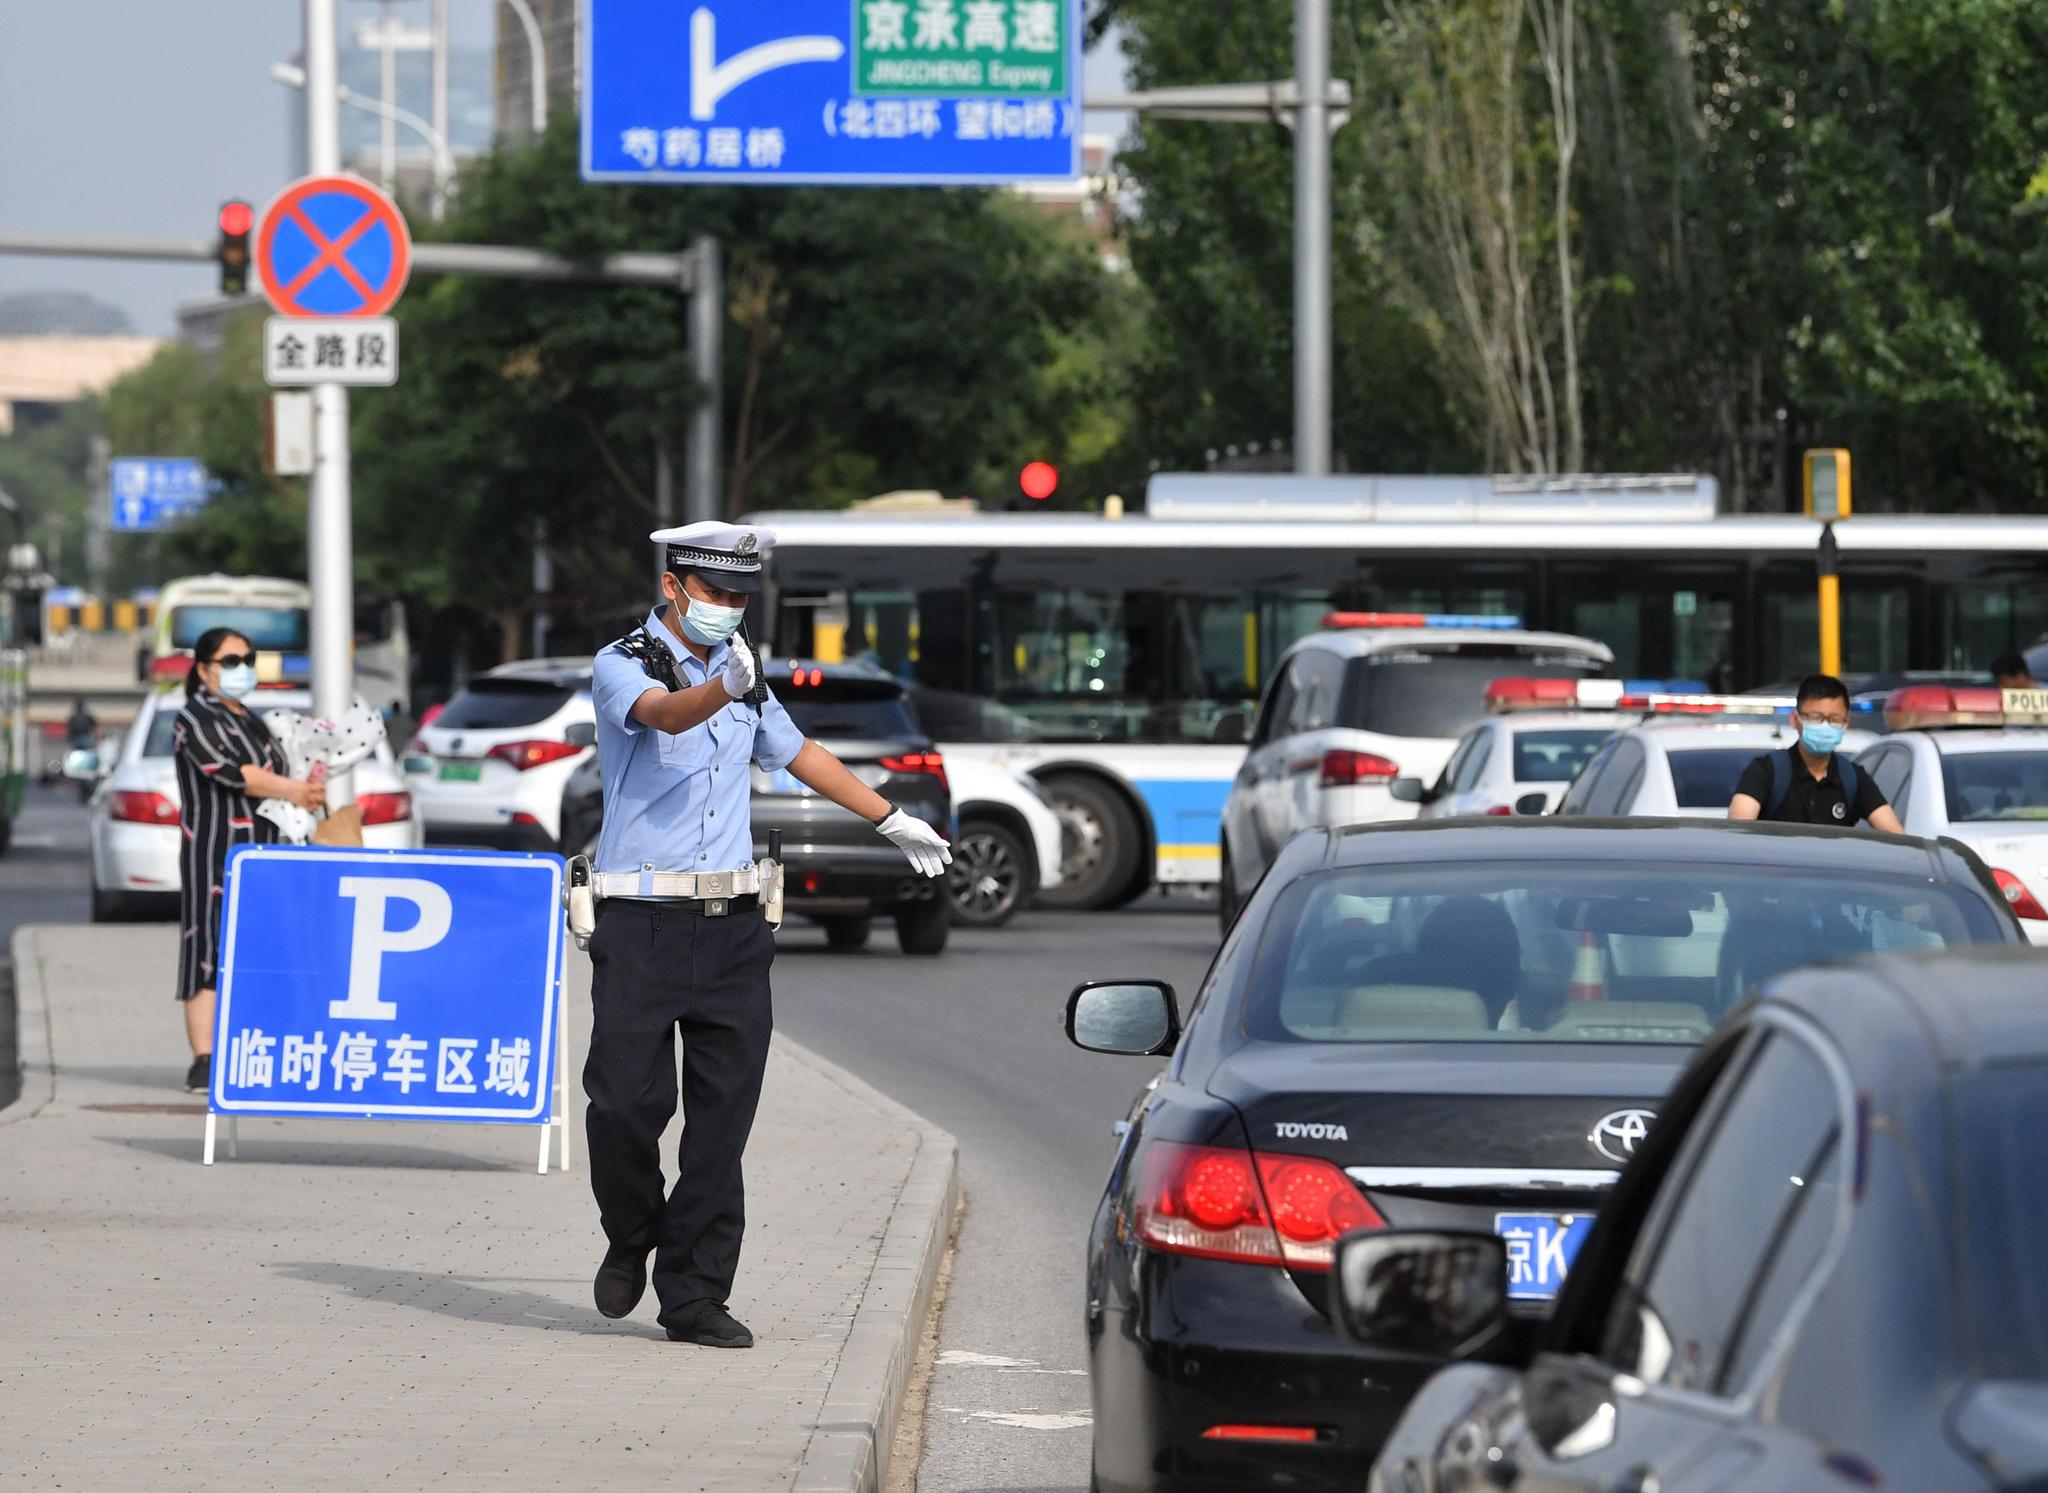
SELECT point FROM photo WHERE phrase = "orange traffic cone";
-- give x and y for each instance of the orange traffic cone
(1588, 983)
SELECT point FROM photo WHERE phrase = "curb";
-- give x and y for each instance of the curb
(31, 1030)
(849, 1449)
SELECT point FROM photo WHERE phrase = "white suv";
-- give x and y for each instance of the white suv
(491, 767)
(1380, 697)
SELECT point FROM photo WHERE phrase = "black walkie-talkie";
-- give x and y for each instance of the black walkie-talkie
(758, 695)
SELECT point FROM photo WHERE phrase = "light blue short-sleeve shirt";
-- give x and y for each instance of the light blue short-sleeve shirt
(681, 801)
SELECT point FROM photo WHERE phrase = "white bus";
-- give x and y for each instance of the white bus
(273, 614)
(1119, 661)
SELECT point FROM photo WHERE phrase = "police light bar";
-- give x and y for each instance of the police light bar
(1924, 707)
(1506, 695)
(1335, 621)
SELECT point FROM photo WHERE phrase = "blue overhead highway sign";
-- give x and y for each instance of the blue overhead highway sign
(153, 492)
(832, 92)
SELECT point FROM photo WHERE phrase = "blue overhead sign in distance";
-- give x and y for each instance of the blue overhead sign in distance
(832, 92)
(390, 985)
(153, 492)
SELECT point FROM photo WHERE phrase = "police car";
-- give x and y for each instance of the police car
(1971, 763)
(1375, 697)
(1540, 733)
(1684, 758)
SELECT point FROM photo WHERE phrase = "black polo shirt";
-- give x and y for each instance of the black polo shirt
(1810, 800)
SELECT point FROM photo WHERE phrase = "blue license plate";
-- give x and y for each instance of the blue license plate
(1541, 1247)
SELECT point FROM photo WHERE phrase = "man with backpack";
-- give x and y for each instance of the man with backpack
(1810, 782)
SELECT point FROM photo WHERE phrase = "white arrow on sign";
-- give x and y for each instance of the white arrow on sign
(711, 80)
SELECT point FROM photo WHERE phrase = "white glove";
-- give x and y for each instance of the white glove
(739, 675)
(925, 847)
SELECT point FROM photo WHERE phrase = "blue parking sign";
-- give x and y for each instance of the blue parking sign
(389, 985)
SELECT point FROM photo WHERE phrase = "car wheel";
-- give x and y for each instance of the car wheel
(108, 907)
(990, 876)
(847, 931)
(1099, 845)
(922, 927)
(1226, 893)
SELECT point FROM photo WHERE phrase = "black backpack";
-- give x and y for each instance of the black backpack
(1781, 784)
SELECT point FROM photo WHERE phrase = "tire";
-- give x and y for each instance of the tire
(990, 877)
(1100, 843)
(922, 927)
(108, 907)
(847, 931)
(1226, 894)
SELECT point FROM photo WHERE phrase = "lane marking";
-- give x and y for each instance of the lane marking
(961, 1358)
(1022, 1420)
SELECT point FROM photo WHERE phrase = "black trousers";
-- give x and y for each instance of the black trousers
(657, 970)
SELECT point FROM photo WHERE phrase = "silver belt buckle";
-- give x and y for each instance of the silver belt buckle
(716, 890)
(716, 907)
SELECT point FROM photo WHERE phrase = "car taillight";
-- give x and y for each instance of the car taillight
(141, 808)
(1346, 769)
(931, 762)
(385, 808)
(1256, 1208)
(1499, 811)
(525, 754)
(2022, 902)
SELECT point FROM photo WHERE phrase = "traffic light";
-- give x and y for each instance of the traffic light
(236, 219)
(1039, 479)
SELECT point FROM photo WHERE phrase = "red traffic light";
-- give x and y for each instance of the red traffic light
(236, 218)
(1039, 479)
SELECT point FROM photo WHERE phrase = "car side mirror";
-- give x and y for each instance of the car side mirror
(1232, 728)
(1532, 803)
(1438, 1293)
(1136, 1018)
(1408, 791)
(581, 733)
(82, 764)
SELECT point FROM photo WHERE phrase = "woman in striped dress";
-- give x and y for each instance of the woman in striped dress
(226, 757)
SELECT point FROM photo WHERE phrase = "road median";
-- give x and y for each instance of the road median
(352, 1304)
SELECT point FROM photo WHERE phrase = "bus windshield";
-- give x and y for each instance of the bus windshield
(276, 629)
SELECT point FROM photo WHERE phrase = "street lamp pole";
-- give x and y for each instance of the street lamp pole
(537, 63)
(1312, 240)
(330, 544)
(437, 143)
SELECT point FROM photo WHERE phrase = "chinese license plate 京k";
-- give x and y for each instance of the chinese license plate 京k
(1541, 1247)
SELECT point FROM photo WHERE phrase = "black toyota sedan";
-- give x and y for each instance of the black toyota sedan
(1821, 1272)
(1444, 1025)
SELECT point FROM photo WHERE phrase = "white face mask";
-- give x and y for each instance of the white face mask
(710, 624)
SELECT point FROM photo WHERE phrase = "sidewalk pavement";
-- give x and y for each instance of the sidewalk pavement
(354, 1305)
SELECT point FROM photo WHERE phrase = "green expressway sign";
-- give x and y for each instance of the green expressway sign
(1011, 48)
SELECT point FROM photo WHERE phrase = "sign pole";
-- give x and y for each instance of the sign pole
(701, 497)
(330, 559)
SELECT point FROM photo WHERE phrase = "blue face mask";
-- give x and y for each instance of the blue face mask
(710, 624)
(238, 682)
(1823, 739)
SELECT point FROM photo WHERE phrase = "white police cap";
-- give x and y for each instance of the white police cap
(727, 555)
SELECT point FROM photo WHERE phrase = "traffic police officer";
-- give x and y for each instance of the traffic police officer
(680, 941)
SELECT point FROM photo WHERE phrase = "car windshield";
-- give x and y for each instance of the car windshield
(2002, 1113)
(162, 725)
(1996, 785)
(495, 704)
(1440, 690)
(1554, 756)
(1705, 778)
(867, 709)
(276, 629)
(1518, 951)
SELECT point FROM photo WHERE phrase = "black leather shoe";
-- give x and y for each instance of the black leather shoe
(621, 1280)
(714, 1327)
(199, 1077)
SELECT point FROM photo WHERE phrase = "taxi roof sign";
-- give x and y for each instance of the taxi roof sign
(1935, 707)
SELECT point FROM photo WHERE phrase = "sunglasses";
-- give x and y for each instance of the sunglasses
(233, 660)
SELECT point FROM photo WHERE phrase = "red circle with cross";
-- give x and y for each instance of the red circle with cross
(350, 214)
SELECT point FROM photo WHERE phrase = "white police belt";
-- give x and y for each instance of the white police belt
(693, 886)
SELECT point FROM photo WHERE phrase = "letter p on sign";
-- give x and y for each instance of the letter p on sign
(374, 938)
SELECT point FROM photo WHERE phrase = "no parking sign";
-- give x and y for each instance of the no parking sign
(332, 256)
